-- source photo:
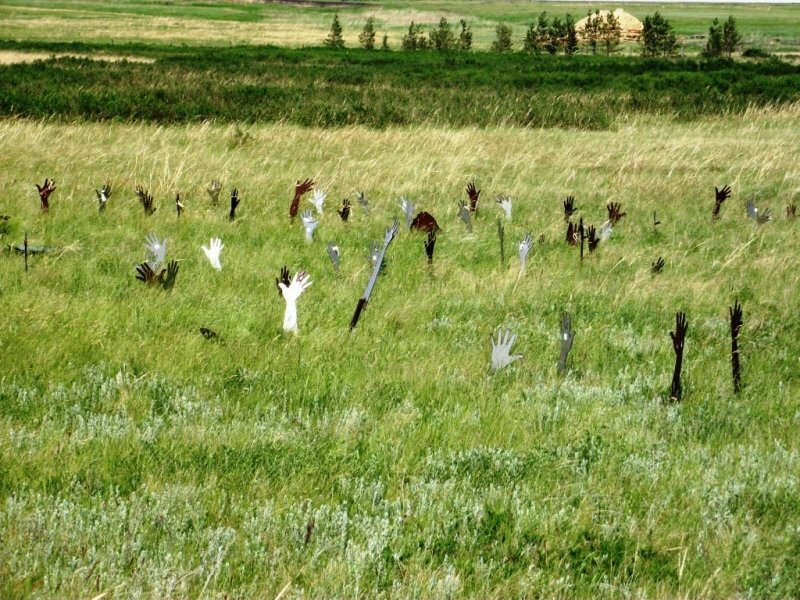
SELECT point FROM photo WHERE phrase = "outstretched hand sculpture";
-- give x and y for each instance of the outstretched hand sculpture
(103, 194)
(501, 349)
(299, 190)
(212, 251)
(505, 203)
(318, 200)
(213, 190)
(678, 338)
(309, 225)
(473, 194)
(44, 193)
(299, 284)
(720, 195)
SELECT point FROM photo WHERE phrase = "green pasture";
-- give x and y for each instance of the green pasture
(772, 27)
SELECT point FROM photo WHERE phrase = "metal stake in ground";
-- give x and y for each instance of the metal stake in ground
(678, 337)
(501, 234)
(583, 235)
(736, 325)
(362, 303)
(567, 335)
(26, 251)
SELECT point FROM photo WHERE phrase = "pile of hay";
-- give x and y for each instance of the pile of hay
(631, 27)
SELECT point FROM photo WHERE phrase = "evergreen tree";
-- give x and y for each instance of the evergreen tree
(713, 47)
(591, 31)
(658, 37)
(555, 35)
(503, 41)
(414, 39)
(465, 37)
(610, 33)
(334, 39)
(367, 36)
(442, 38)
(530, 45)
(571, 38)
(731, 39)
(542, 30)
(385, 44)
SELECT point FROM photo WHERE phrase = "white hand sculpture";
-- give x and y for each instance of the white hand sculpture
(362, 200)
(501, 349)
(157, 249)
(291, 293)
(103, 194)
(408, 210)
(524, 247)
(309, 224)
(606, 231)
(505, 204)
(333, 252)
(759, 217)
(318, 199)
(213, 252)
(465, 215)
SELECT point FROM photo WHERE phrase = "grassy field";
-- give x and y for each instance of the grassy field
(323, 88)
(772, 27)
(139, 458)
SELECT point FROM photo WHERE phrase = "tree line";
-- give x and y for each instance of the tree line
(601, 33)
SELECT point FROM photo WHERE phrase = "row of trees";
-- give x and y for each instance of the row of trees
(722, 39)
(601, 33)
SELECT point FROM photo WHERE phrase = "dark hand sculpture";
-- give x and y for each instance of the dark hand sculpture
(678, 338)
(44, 193)
(720, 195)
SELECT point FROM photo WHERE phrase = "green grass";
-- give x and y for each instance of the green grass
(315, 87)
(774, 27)
(139, 458)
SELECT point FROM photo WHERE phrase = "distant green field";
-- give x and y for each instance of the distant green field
(324, 88)
(773, 27)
